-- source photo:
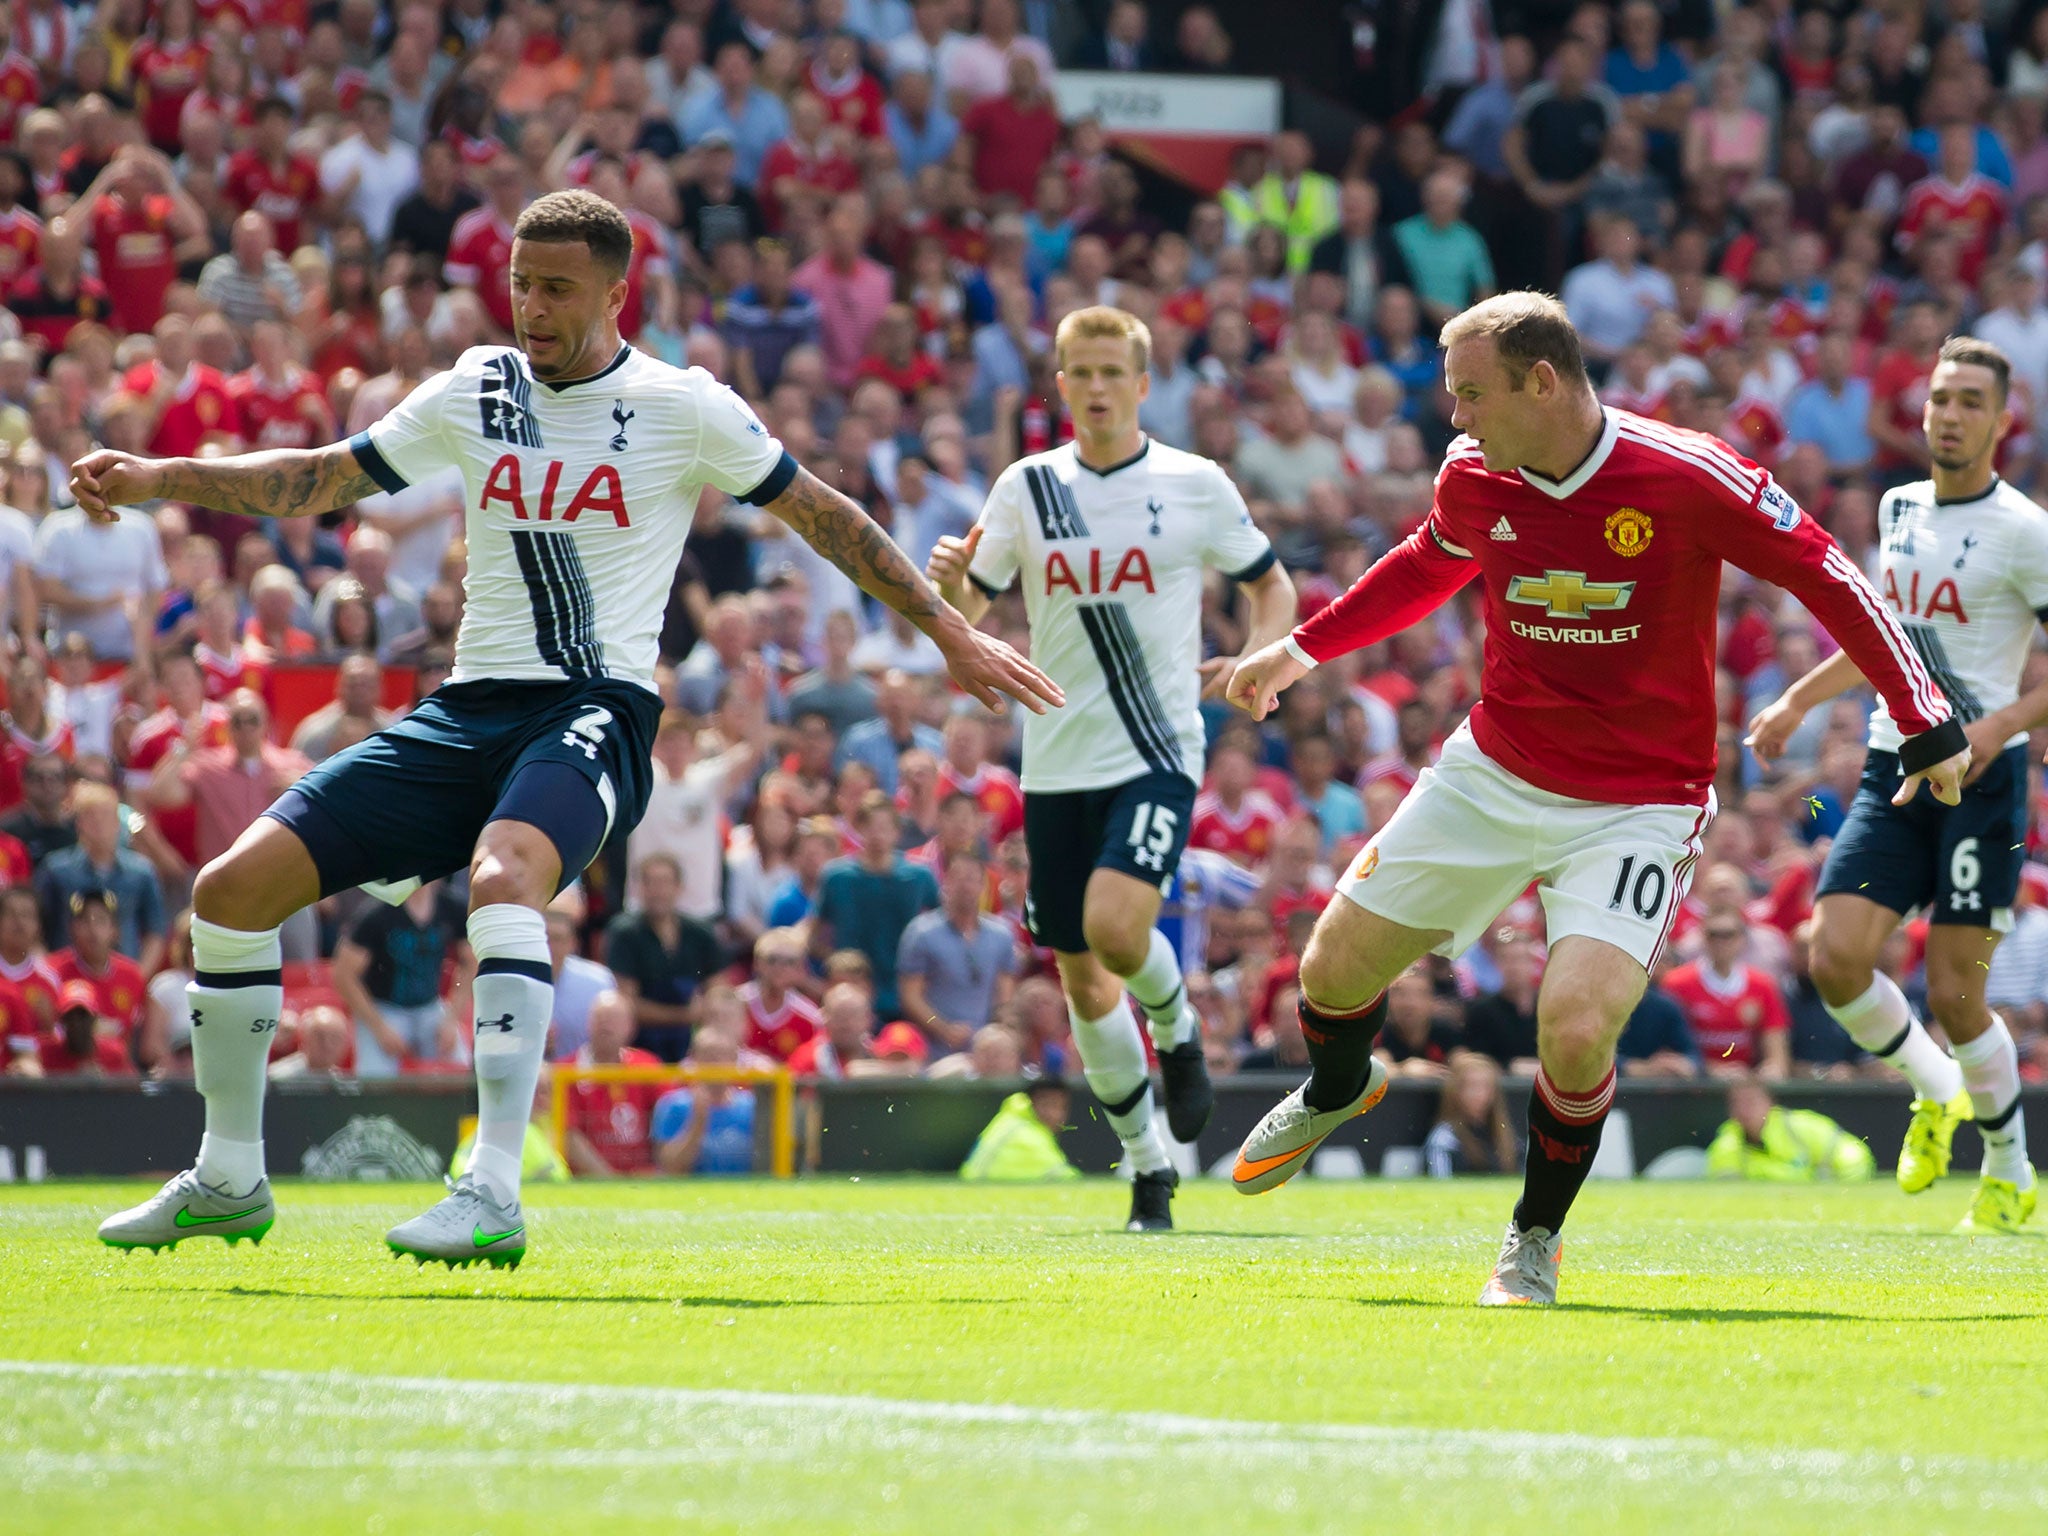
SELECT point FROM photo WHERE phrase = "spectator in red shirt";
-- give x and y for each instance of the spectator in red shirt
(227, 787)
(277, 403)
(852, 97)
(1737, 1013)
(55, 297)
(1012, 136)
(188, 716)
(896, 359)
(188, 401)
(268, 178)
(609, 1122)
(780, 1019)
(77, 1046)
(480, 249)
(805, 171)
(115, 982)
(141, 224)
(1898, 394)
(967, 770)
(1230, 816)
(167, 66)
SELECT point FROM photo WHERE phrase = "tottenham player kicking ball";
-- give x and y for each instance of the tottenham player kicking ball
(1965, 567)
(1588, 763)
(1110, 535)
(582, 459)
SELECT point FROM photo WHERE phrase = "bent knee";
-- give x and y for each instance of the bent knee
(227, 896)
(1120, 944)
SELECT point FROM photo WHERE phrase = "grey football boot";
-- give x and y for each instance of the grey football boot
(468, 1226)
(186, 1207)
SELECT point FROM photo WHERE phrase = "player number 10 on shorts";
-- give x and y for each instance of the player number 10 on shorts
(1646, 895)
(1151, 836)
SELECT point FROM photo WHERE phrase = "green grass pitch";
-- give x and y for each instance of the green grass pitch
(910, 1356)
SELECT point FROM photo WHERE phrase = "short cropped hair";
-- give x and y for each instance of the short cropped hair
(566, 217)
(1972, 352)
(1099, 320)
(1527, 328)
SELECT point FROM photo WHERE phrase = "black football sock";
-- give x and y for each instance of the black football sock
(1339, 1050)
(1564, 1133)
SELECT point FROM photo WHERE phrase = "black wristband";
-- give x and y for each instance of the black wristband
(1919, 753)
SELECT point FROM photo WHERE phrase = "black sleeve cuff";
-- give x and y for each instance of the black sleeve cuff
(986, 589)
(776, 483)
(1256, 569)
(1919, 753)
(375, 465)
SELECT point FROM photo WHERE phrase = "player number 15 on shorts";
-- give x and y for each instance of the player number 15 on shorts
(1645, 893)
(1151, 835)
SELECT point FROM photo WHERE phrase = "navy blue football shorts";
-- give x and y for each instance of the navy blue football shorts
(1961, 862)
(572, 758)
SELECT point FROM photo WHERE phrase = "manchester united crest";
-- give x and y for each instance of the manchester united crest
(1628, 532)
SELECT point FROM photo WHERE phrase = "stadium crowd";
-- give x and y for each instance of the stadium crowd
(237, 223)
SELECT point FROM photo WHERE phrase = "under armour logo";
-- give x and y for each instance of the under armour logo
(1969, 543)
(621, 415)
(197, 1018)
(1958, 901)
(1155, 508)
(504, 1023)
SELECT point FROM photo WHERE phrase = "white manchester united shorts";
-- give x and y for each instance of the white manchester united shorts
(1471, 837)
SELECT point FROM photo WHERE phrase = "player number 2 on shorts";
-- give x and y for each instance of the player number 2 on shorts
(1647, 895)
(1151, 835)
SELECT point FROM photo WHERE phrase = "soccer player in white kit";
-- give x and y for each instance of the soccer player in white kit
(1587, 765)
(582, 460)
(1964, 565)
(1111, 536)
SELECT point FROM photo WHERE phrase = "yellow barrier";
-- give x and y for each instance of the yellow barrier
(781, 1115)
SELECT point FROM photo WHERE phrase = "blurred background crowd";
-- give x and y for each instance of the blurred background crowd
(245, 223)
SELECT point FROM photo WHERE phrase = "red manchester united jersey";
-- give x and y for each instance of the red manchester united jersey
(1729, 1014)
(480, 259)
(779, 1032)
(1601, 593)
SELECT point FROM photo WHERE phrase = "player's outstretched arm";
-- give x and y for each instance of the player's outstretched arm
(1776, 722)
(278, 482)
(839, 529)
(1273, 609)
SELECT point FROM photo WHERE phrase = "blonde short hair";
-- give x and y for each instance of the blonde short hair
(1527, 328)
(1100, 320)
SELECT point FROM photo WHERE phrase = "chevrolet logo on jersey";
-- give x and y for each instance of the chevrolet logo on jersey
(1568, 595)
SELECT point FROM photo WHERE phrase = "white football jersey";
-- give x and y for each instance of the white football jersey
(1969, 583)
(578, 499)
(1112, 564)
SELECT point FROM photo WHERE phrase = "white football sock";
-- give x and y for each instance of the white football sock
(236, 993)
(1160, 992)
(515, 997)
(1881, 1022)
(1113, 1058)
(1991, 1068)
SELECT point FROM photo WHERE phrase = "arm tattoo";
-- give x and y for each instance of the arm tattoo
(836, 527)
(280, 482)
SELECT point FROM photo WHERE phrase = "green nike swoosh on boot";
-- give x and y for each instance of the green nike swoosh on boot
(185, 1218)
(484, 1239)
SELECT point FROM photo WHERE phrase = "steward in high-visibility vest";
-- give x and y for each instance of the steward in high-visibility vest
(1794, 1146)
(1018, 1147)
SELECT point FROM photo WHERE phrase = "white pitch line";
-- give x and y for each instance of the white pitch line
(1079, 1433)
(859, 1409)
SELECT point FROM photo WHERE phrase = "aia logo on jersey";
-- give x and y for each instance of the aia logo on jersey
(1944, 599)
(600, 492)
(1133, 570)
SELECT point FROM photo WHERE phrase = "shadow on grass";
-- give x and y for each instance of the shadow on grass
(1714, 1314)
(720, 1303)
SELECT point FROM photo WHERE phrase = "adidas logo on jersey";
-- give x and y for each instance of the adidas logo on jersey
(1502, 532)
